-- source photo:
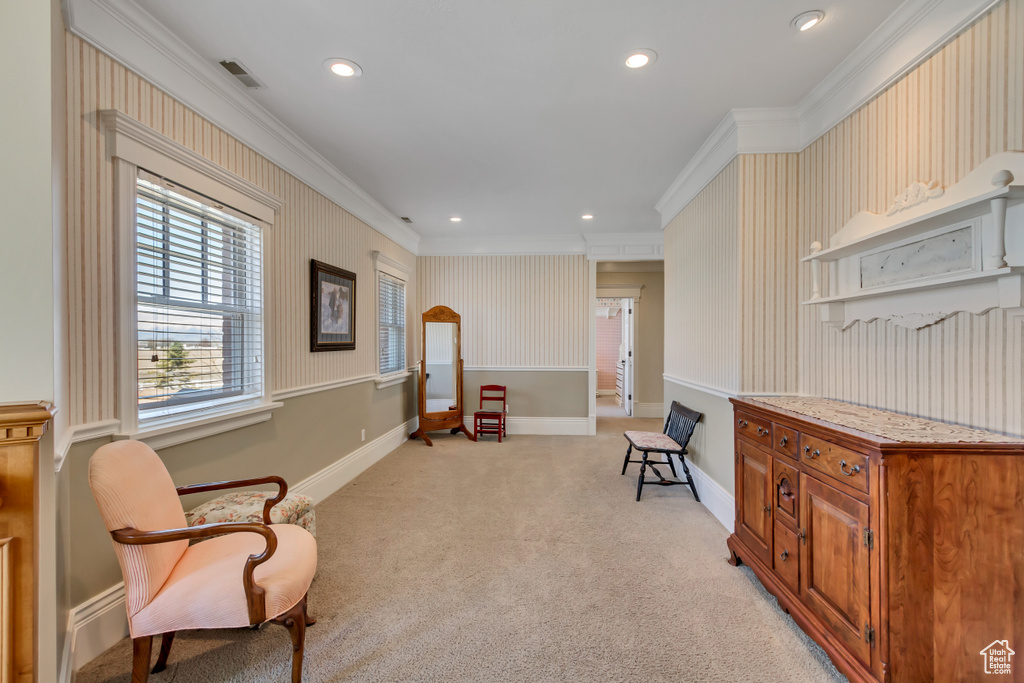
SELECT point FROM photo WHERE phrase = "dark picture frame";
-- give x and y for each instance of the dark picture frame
(332, 308)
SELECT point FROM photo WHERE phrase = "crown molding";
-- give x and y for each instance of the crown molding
(507, 245)
(133, 37)
(626, 246)
(914, 32)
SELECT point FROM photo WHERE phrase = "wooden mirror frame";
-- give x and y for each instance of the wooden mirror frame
(448, 419)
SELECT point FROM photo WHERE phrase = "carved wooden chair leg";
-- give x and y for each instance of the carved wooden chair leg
(165, 651)
(689, 479)
(295, 621)
(672, 465)
(305, 610)
(640, 479)
(142, 648)
(625, 462)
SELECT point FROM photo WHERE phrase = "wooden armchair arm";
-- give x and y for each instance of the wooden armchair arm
(242, 483)
(255, 596)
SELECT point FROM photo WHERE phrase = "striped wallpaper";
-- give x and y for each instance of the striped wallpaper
(517, 311)
(955, 110)
(702, 332)
(769, 267)
(308, 226)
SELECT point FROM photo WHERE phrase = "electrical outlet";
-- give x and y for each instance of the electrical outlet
(362, 436)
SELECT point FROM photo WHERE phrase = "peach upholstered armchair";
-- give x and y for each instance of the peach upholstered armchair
(248, 574)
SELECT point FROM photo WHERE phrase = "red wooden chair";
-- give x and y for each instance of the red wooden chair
(490, 421)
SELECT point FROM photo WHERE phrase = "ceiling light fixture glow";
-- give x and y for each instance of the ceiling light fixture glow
(587, 217)
(640, 58)
(455, 219)
(345, 68)
(808, 20)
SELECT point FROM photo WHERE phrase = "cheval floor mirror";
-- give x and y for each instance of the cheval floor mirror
(441, 374)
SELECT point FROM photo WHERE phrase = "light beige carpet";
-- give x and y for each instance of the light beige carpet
(522, 561)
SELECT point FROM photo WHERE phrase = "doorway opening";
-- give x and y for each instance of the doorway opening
(615, 329)
(627, 349)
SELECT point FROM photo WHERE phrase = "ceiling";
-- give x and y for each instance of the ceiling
(519, 116)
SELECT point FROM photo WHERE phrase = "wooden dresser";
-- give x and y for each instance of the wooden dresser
(896, 543)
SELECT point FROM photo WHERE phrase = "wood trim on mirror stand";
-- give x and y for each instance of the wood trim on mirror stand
(451, 420)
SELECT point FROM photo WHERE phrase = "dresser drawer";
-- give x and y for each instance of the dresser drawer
(754, 428)
(786, 440)
(842, 464)
(786, 557)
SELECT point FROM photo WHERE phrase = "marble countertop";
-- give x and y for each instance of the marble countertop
(903, 428)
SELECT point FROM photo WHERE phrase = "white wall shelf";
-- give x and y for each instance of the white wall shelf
(935, 252)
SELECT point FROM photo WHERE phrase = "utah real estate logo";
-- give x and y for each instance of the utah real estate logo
(997, 657)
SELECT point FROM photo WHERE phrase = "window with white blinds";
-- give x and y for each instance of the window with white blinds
(198, 284)
(391, 325)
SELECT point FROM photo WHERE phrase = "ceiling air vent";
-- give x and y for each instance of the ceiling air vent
(239, 71)
(406, 219)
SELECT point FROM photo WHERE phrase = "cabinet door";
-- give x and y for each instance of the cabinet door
(835, 579)
(785, 492)
(753, 502)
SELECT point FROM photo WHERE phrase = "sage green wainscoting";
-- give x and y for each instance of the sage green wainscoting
(531, 393)
(711, 446)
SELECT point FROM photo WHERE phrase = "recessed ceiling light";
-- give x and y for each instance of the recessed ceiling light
(455, 219)
(639, 58)
(808, 20)
(587, 217)
(345, 68)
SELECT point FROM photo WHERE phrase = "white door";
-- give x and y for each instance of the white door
(627, 349)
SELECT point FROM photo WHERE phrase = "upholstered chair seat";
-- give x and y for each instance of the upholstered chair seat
(204, 589)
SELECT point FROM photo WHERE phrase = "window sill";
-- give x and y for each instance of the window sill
(166, 434)
(391, 380)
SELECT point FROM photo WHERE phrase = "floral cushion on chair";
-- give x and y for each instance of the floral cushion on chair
(247, 506)
(652, 441)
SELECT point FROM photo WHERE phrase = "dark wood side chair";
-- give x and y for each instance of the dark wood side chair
(673, 440)
(245, 574)
(492, 420)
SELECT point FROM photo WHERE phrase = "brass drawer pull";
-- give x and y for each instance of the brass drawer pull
(813, 454)
(783, 441)
(741, 423)
(853, 470)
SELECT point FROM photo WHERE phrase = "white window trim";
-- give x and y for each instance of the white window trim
(385, 264)
(132, 145)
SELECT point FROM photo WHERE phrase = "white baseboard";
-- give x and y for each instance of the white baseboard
(95, 626)
(649, 410)
(98, 623)
(549, 426)
(713, 496)
(334, 476)
(605, 392)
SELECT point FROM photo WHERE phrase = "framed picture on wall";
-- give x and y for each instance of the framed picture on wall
(333, 308)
